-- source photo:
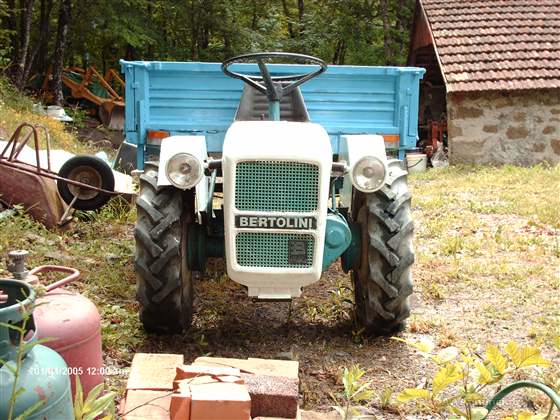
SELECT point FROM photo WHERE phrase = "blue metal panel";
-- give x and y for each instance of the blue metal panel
(199, 98)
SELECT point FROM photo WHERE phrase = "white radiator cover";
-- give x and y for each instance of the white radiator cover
(275, 141)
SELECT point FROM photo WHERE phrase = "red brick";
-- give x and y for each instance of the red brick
(180, 407)
(192, 371)
(153, 371)
(272, 396)
(269, 367)
(146, 404)
(219, 401)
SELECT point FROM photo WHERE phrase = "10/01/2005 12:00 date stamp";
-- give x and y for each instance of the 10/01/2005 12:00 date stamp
(79, 370)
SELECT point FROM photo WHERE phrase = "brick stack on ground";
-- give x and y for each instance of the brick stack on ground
(160, 386)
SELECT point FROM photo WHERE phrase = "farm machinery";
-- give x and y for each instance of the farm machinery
(280, 169)
(103, 95)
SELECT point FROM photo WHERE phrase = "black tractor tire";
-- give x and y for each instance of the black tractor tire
(383, 281)
(164, 282)
(101, 171)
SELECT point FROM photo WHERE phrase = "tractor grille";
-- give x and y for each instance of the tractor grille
(276, 186)
(257, 249)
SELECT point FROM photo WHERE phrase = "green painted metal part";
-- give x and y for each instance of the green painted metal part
(43, 373)
(21, 297)
(276, 186)
(274, 110)
(337, 238)
(201, 246)
(351, 257)
(550, 393)
(261, 249)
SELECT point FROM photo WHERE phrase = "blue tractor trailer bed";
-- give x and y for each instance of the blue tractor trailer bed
(197, 98)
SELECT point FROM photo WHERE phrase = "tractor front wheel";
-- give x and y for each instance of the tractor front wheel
(383, 281)
(164, 282)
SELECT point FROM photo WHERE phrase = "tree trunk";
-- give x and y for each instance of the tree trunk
(26, 15)
(301, 15)
(387, 41)
(255, 18)
(339, 52)
(45, 33)
(288, 18)
(40, 49)
(64, 14)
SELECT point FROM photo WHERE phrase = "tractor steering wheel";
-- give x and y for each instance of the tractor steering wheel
(274, 87)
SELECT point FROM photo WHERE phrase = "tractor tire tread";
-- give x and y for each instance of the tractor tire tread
(383, 286)
(164, 287)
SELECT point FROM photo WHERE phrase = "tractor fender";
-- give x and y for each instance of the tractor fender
(352, 149)
(194, 145)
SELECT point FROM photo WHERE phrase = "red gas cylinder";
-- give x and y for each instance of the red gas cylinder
(74, 323)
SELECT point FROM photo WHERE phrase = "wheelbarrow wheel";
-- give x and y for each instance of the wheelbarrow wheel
(89, 170)
(164, 282)
(383, 282)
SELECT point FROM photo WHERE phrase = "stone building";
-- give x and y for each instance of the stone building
(493, 73)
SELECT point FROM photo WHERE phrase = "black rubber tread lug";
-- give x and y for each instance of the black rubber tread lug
(147, 275)
(384, 217)
(151, 211)
(395, 175)
(163, 198)
(379, 279)
(143, 237)
(380, 247)
(386, 193)
(165, 224)
(404, 263)
(165, 291)
(160, 263)
(398, 237)
(141, 297)
(395, 206)
(387, 315)
(150, 180)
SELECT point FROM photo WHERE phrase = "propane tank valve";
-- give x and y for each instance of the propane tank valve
(16, 263)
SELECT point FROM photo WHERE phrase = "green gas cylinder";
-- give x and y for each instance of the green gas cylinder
(42, 381)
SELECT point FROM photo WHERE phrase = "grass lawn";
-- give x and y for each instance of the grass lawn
(487, 271)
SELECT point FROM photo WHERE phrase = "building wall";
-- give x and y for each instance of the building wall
(521, 128)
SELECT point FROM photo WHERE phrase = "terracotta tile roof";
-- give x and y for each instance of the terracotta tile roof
(496, 44)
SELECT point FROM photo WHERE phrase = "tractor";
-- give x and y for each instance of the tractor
(280, 166)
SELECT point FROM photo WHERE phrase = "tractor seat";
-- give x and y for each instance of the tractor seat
(253, 106)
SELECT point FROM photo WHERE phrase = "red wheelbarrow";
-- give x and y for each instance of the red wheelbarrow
(82, 182)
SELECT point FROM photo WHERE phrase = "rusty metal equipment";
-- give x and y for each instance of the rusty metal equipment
(105, 93)
(437, 132)
(35, 186)
(70, 321)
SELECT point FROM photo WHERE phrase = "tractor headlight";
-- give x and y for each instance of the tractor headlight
(183, 170)
(368, 174)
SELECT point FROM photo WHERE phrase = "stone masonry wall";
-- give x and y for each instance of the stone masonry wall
(517, 127)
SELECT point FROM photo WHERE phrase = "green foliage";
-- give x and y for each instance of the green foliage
(5, 35)
(11, 97)
(462, 375)
(373, 32)
(95, 404)
(356, 391)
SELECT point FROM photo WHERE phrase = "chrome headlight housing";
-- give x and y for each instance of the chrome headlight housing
(368, 174)
(183, 170)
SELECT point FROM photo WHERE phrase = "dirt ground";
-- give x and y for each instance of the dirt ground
(487, 244)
